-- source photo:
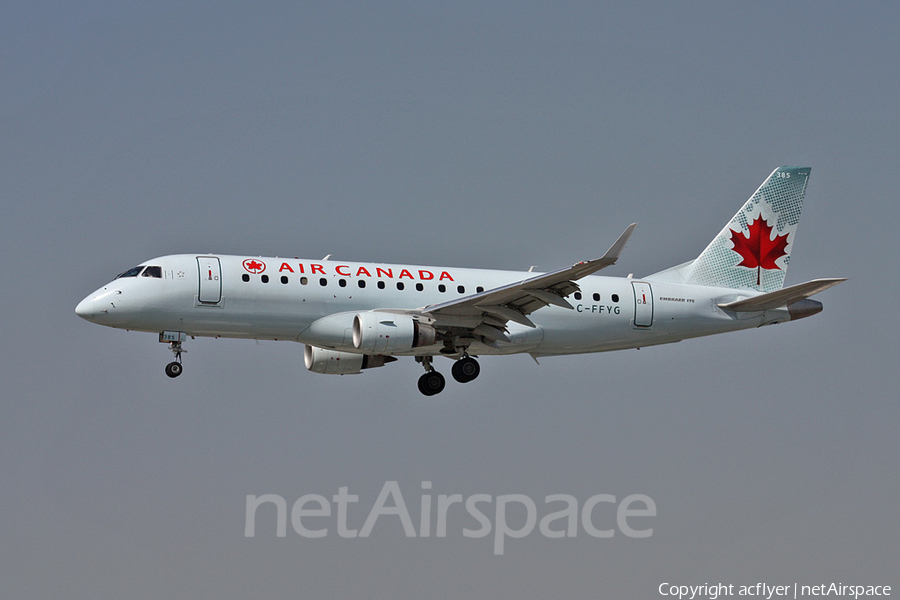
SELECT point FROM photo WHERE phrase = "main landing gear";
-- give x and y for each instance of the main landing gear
(464, 370)
(175, 368)
(431, 382)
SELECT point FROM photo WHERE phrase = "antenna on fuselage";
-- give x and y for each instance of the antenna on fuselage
(327, 256)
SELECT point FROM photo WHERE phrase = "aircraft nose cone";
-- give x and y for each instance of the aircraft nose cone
(91, 308)
(85, 309)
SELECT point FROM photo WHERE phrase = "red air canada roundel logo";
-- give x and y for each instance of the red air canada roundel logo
(254, 266)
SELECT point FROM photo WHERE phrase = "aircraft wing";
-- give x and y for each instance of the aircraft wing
(488, 312)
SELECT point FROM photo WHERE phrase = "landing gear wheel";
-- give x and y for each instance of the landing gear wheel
(465, 369)
(174, 369)
(431, 383)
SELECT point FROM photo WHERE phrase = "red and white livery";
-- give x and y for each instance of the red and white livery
(356, 315)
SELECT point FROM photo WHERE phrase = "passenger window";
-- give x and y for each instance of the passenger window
(399, 285)
(342, 282)
(615, 297)
(152, 272)
(323, 282)
(362, 283)
(461, 289)
(420, 287)
(596, 297)
(304, 281)
(284, 279)
(578, 295)
(479, 289)
(380, 285)
(265, 278)
(245, 277)
(442, 288)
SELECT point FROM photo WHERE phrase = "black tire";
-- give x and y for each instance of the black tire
(174, 369)
(431, 383)
(465, 369)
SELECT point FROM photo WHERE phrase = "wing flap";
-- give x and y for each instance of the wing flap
(548, 297)
(490, 332)
(507, 314)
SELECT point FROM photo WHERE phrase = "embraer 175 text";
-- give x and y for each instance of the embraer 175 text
(355, 316)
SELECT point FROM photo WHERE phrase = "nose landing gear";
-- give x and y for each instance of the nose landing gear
(175, 368)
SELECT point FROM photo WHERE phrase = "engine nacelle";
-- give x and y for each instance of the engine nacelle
(384, 333)
(334, 362)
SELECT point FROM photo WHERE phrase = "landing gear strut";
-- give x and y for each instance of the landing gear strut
(175, 368)
(431, 382)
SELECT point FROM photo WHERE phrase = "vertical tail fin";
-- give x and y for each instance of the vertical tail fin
(754, 249)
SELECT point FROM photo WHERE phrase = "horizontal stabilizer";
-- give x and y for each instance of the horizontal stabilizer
(782, 297)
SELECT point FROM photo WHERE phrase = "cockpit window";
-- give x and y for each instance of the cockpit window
(152, 272)
(133, 272)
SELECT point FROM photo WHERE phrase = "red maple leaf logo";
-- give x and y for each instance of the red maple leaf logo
(254, 266)
(759, 251)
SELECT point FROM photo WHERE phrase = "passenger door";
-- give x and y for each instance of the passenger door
(643, 304)
(210, 279)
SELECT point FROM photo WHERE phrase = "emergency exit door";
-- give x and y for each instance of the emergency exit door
(210, 279)
(643, 304)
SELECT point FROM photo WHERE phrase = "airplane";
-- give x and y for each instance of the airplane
(354, 316)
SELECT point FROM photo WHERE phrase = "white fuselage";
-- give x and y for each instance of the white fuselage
(313, 301)
(356, 316)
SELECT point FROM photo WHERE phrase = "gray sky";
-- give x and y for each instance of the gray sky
(503, 136)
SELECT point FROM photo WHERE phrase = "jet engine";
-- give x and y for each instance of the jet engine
(384, 333)
(334, 362)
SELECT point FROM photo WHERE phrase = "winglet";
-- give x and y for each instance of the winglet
(616, 249)
(588, 267)
(612, 255)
